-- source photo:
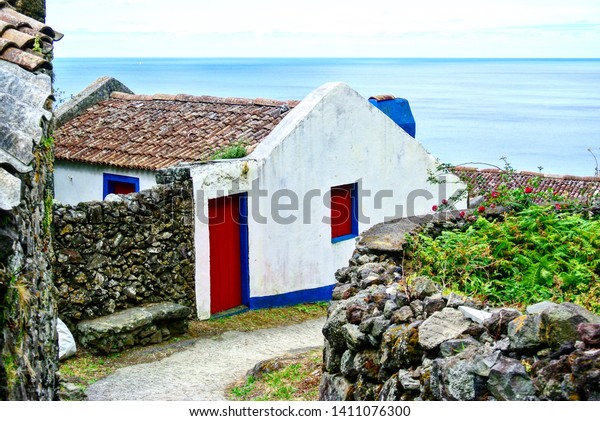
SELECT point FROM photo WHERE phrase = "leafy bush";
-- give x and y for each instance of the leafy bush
(534, 254)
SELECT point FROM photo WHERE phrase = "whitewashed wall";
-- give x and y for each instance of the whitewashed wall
(76, 182)
(333, 137)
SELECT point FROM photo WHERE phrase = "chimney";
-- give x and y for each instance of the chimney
(397, 109)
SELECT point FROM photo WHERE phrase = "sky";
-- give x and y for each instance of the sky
(326, 28)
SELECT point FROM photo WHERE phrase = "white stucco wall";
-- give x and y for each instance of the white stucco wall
(331, 138)
(75, 182)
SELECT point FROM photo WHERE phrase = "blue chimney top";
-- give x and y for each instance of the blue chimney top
(397, 109)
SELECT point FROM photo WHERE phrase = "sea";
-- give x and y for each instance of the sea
(538, 114)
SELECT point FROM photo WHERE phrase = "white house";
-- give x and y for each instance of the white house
(109, 140)
(272, 227)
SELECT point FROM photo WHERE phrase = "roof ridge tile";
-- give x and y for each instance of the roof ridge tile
(208, 99)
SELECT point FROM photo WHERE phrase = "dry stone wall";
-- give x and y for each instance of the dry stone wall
(386, 340)
(126, 251)
(28, 338)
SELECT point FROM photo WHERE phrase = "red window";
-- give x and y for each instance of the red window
(120, 187)
(343, 212)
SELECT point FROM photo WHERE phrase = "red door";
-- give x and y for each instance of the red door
(225, 261)
(341, 211)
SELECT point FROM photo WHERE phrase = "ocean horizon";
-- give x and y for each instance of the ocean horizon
(535, 112)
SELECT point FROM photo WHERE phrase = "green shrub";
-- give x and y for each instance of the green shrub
(534, 254)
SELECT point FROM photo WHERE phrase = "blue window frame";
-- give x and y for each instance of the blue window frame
(344, 212)
(119, 184)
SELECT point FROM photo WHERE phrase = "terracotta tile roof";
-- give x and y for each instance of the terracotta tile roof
(18, 37)
(157, 131)
(574, 187)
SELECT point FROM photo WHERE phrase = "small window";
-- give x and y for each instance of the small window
(120, 184)
(344, 211)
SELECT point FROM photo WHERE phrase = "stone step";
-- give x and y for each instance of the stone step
(143, 325)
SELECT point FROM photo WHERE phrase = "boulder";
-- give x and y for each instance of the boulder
(497, 324)
(559, 324)
(433, 304)
(380, 325)
(334, 387)
(400, 348)
(347, 367)
(478, 316)
(580, 311)
(391, 390)
(389, 309)
(336, 319)
(366, 364)
(508, 381)
(463, 376)
(331, 358)
(355, 312)
(453, 347)
(524, 333)
(365, 390)
(370, 269)
(589, 334)
(586, 371)
(539, 307)
(424, 287)
(571, 377)
(441, 326)
(408, 381)
(402, 315)
(343, 291)
(455, 300)
(354, 338)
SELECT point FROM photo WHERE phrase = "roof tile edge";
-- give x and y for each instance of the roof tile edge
(529, 174)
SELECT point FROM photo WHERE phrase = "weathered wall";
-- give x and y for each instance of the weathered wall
(33, 8)
(112, 255)
(28, 340)
(333, 137)
(75, 182)
(389, 341)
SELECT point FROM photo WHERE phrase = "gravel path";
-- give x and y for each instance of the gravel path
(202, 371)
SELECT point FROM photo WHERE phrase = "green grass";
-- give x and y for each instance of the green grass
(85, 369)
(535, 254)
(297, 380)
(233, 151)
(259, 319)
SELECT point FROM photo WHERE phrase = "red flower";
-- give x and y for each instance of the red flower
(495, 194)
(481, 209)
(557, 206)
(493, 205)
(528, 190)
(444, 202)
(434, 208)
(462, 214)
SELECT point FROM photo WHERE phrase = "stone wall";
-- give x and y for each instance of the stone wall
(28, 339)
(125, 251)
(386, 340)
